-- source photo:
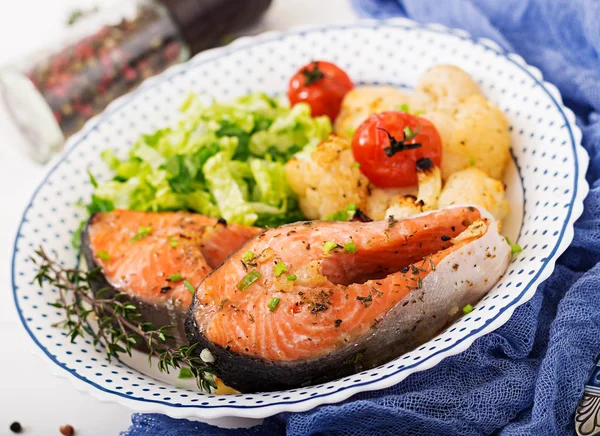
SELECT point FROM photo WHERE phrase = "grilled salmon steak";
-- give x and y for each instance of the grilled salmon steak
(314, 301)
(156, 257)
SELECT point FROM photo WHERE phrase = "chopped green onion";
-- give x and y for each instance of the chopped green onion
(248, 279)
(279, 269)
(173, 242)
(405, 108)
(189, 286)
(337, 216)
(273, 304)
(408, 132)
(328, 246)
(248, 256)
(468, 309)
(350, 247)
(142, 233)
(514, 248)
(342, 215)
(421, 112)
(175, 277)
(185, 373)
(350, 132)
(291, 277)
(356, 165)
(103, 255)
(472, 161)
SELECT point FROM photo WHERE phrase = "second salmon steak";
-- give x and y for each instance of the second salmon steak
(157, 259)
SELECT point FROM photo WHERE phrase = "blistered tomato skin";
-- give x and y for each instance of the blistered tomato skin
(322, 85)
(382, 131)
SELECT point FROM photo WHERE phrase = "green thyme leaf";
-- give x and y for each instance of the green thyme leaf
(185, 373)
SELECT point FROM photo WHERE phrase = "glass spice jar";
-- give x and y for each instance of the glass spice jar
(52, 98)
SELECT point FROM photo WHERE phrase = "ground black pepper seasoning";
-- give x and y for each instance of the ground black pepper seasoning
(57, 94)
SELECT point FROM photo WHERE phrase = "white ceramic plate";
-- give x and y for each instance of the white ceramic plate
(549, 166)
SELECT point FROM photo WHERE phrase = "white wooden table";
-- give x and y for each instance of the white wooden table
(29, 393)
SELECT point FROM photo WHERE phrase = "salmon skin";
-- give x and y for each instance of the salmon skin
(314, 301)
(150, 255)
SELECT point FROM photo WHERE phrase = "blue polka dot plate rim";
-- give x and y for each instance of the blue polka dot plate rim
(546, 185)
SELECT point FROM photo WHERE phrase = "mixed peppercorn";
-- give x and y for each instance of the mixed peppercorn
(82, 79)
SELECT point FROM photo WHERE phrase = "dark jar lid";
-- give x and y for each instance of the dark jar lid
(206, 23)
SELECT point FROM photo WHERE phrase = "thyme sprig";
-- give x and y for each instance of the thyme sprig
(119, 321)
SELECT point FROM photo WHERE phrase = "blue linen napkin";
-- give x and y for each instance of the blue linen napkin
(526, 377)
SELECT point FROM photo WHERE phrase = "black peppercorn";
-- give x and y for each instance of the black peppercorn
(15, 427)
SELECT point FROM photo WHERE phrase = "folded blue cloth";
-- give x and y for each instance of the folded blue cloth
(526, 377)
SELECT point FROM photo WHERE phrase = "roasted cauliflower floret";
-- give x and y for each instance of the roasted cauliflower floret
(327, 181)
(476, 135)
(382, 199)
(403, 207)
(362, 102)
(473, 186)
(474, 131)
(442, 87)
(429, 189)
(401, 202)
(430, 183)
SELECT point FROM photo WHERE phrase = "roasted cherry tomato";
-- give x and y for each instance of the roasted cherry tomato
(322, 85)
(388, 145)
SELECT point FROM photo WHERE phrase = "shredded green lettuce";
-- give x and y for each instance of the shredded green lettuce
(221, 159)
